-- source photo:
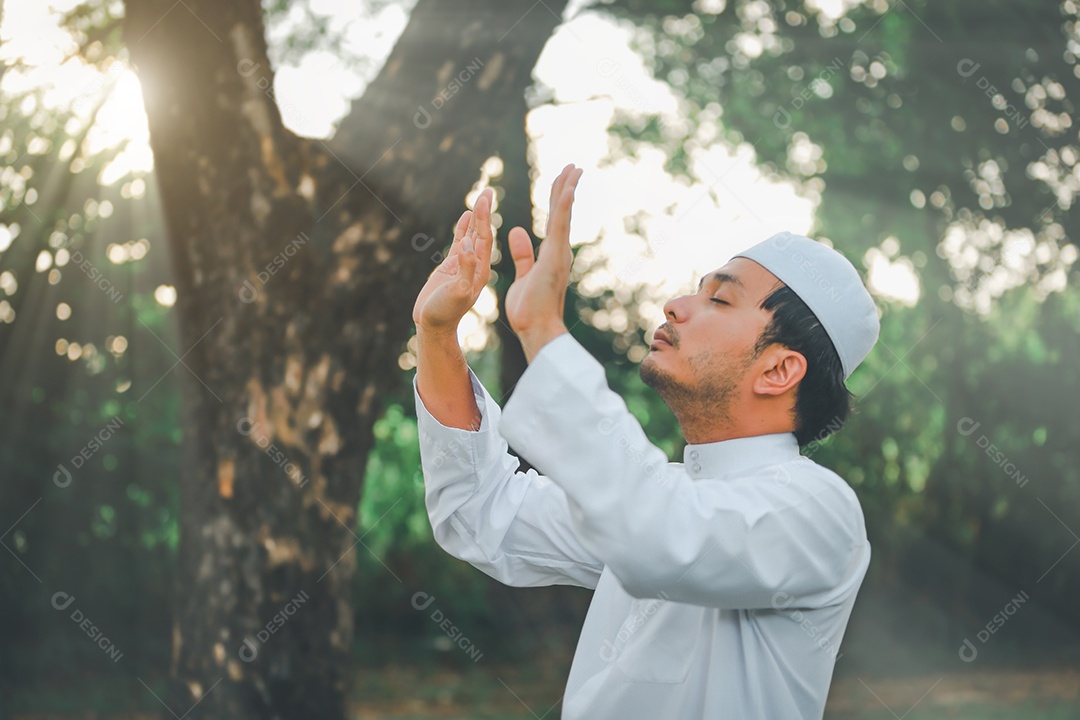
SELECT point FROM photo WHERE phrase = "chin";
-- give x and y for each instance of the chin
(647, 366)
(653, 376)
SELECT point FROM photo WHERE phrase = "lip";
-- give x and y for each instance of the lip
(660, 338)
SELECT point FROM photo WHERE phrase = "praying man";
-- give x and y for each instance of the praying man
(724, 583)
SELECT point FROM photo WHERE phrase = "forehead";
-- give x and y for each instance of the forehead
(745, 277)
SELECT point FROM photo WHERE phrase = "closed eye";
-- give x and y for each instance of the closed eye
(718, 300)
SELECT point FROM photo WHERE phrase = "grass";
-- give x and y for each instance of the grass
(413, 681)
(1026, 711)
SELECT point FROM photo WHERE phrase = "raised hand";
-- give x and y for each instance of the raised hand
(453, 287)
(535, 302)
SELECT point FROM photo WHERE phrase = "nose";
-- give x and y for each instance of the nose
(676, 308)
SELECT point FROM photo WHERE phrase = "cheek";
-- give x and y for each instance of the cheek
(731, 335)
(742, 334)
(723, 350)
(721, 336)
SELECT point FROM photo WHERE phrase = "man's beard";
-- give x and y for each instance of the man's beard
(716, 382)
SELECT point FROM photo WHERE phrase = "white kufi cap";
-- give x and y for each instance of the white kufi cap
(829, 285)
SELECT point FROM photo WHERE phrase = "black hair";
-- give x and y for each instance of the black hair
(822, 401)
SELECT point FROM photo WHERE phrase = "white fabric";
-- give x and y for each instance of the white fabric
(723, 583)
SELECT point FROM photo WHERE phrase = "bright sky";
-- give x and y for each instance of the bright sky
(692, 229)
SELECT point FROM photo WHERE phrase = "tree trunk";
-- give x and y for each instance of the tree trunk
(516, 208)
(296, 265)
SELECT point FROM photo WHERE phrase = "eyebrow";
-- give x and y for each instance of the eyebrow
(722, 277)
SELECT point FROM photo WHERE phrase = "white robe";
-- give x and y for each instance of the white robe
(723, 584)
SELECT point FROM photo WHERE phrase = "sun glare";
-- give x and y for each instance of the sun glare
(31, 34)
(123, 119)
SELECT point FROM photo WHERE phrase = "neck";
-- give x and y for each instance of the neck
(700, 425)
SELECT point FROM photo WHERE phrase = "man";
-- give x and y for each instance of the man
(723, 584)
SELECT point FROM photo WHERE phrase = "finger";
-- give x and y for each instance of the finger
(559, 227)
(560, 182)
(521, 250)
(556, 188)
(484, 237)
(459, 231)
(462, 224)
(467, 262)
(472, 220)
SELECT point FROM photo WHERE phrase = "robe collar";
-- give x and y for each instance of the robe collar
(739, 456)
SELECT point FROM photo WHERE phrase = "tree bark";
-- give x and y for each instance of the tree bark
(296, 265)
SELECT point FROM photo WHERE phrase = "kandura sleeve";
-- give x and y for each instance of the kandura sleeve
(514, 526)
(750, 543)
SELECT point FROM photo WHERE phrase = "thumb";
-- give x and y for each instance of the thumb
(521, 250)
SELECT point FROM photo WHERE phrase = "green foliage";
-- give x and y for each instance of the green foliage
(79, 403)
(397, 537)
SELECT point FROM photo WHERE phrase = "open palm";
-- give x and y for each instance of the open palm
(453, 287)
(538, 294)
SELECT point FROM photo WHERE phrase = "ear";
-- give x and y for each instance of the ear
(781, 370)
